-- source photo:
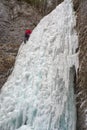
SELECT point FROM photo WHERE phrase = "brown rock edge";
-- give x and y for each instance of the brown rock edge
(80, 6)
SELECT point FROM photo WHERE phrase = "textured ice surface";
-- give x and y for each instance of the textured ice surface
(39, 93)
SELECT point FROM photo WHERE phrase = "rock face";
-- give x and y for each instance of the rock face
(80, 7)
(7, 58)
(15, 17)
(4, 22)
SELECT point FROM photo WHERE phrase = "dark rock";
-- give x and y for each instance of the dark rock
(80, 7)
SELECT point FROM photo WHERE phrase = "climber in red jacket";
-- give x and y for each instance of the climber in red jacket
(27, 35)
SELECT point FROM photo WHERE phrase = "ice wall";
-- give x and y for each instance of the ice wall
(39, 94)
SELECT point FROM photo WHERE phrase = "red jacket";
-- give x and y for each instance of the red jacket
(28, 31)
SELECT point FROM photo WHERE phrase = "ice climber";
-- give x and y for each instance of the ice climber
(27, 35)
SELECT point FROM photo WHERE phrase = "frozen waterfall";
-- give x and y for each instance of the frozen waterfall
(39, 94)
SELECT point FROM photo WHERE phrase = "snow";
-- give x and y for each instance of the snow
(39, 93)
